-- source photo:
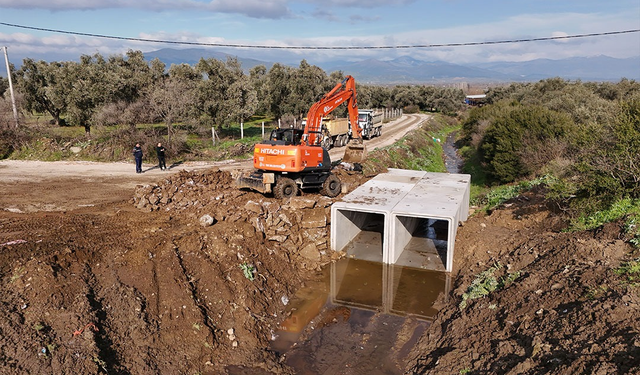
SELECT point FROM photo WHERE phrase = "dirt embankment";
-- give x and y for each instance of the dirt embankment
(565, 311)
(149, 285)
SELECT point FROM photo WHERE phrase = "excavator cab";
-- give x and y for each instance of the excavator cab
(288, 137)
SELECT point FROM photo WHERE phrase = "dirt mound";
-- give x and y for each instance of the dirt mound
(150, 287)
(562, 308)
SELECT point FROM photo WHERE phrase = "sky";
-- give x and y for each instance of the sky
(324, 23)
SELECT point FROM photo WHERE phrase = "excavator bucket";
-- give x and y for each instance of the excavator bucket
(355, 152)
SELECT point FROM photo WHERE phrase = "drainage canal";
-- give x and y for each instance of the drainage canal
(359, 317)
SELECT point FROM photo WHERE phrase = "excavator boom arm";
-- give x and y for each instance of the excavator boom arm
(344, 91)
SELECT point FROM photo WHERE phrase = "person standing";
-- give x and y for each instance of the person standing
(161, 161)
(137, 154)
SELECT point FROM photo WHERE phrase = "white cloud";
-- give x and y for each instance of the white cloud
(359, 3)
(273, 9)
(516, 27)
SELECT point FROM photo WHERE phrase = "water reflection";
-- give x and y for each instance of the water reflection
(387, 288)
(357, 292)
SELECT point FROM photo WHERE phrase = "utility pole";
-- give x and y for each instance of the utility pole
(13, 98)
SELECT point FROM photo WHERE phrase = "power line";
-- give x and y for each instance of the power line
(324, 47)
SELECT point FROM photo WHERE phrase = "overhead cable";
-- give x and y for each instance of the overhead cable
(408, 46)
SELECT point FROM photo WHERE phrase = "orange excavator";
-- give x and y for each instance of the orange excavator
(293, 159)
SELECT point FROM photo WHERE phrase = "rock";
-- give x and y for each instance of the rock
(75, 149)
(285, 219)
(278, 238)
(253, 207)
(310, 252)
(206, 220)
(298, 203)
(315, 234)
(314, 219)
(257, 223)
(142, 202)
(154, 199)
(324, 202)
(271, 207)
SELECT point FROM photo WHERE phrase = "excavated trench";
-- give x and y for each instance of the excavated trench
(362, 316)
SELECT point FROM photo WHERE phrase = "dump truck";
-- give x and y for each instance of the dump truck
(293, 159)
(370, 122)
(335, 131)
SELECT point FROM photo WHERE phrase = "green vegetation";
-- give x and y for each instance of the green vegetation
(596, 292)
(632, 229)
(248, 270)
(419, 150)
(17, 274)
(618, 210)
(500, 194)
(485, 283)
(584, 137)
(630, 271)
(121, 100)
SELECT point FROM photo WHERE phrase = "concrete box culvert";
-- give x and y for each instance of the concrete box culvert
(361, 221)
(403, 217)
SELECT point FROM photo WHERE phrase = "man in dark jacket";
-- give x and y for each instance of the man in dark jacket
(137, 154)
(161, 162)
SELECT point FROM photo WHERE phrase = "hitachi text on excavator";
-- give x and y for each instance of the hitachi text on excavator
(293, 159)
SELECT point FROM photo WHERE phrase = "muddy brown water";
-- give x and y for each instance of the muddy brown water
(358, 317)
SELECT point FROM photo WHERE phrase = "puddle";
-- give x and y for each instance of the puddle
(359, 317)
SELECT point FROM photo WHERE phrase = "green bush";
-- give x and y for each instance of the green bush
(609, 167)
(515, 136)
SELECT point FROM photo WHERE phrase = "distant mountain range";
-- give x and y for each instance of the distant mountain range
(406, 69)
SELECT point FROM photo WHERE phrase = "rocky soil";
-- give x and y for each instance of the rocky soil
(190, 275)
(187, 276)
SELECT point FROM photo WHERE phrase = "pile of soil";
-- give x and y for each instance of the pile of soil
(190, 276)
(564, 311)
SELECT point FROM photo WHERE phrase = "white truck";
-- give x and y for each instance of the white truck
(370, 122)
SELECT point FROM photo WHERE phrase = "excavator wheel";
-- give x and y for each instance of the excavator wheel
(285, 188)
(331, 187)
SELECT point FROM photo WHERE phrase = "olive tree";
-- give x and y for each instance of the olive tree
(225, 92)
(44, 87)
(278, 89)
(258, 79)
(173, 96)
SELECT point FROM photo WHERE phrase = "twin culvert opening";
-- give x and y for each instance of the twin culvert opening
(406, 218)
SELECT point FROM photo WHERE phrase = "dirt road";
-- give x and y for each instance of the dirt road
(30, 186)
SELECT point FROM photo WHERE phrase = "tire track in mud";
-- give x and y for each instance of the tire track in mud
(206, 319)
(108, 357)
